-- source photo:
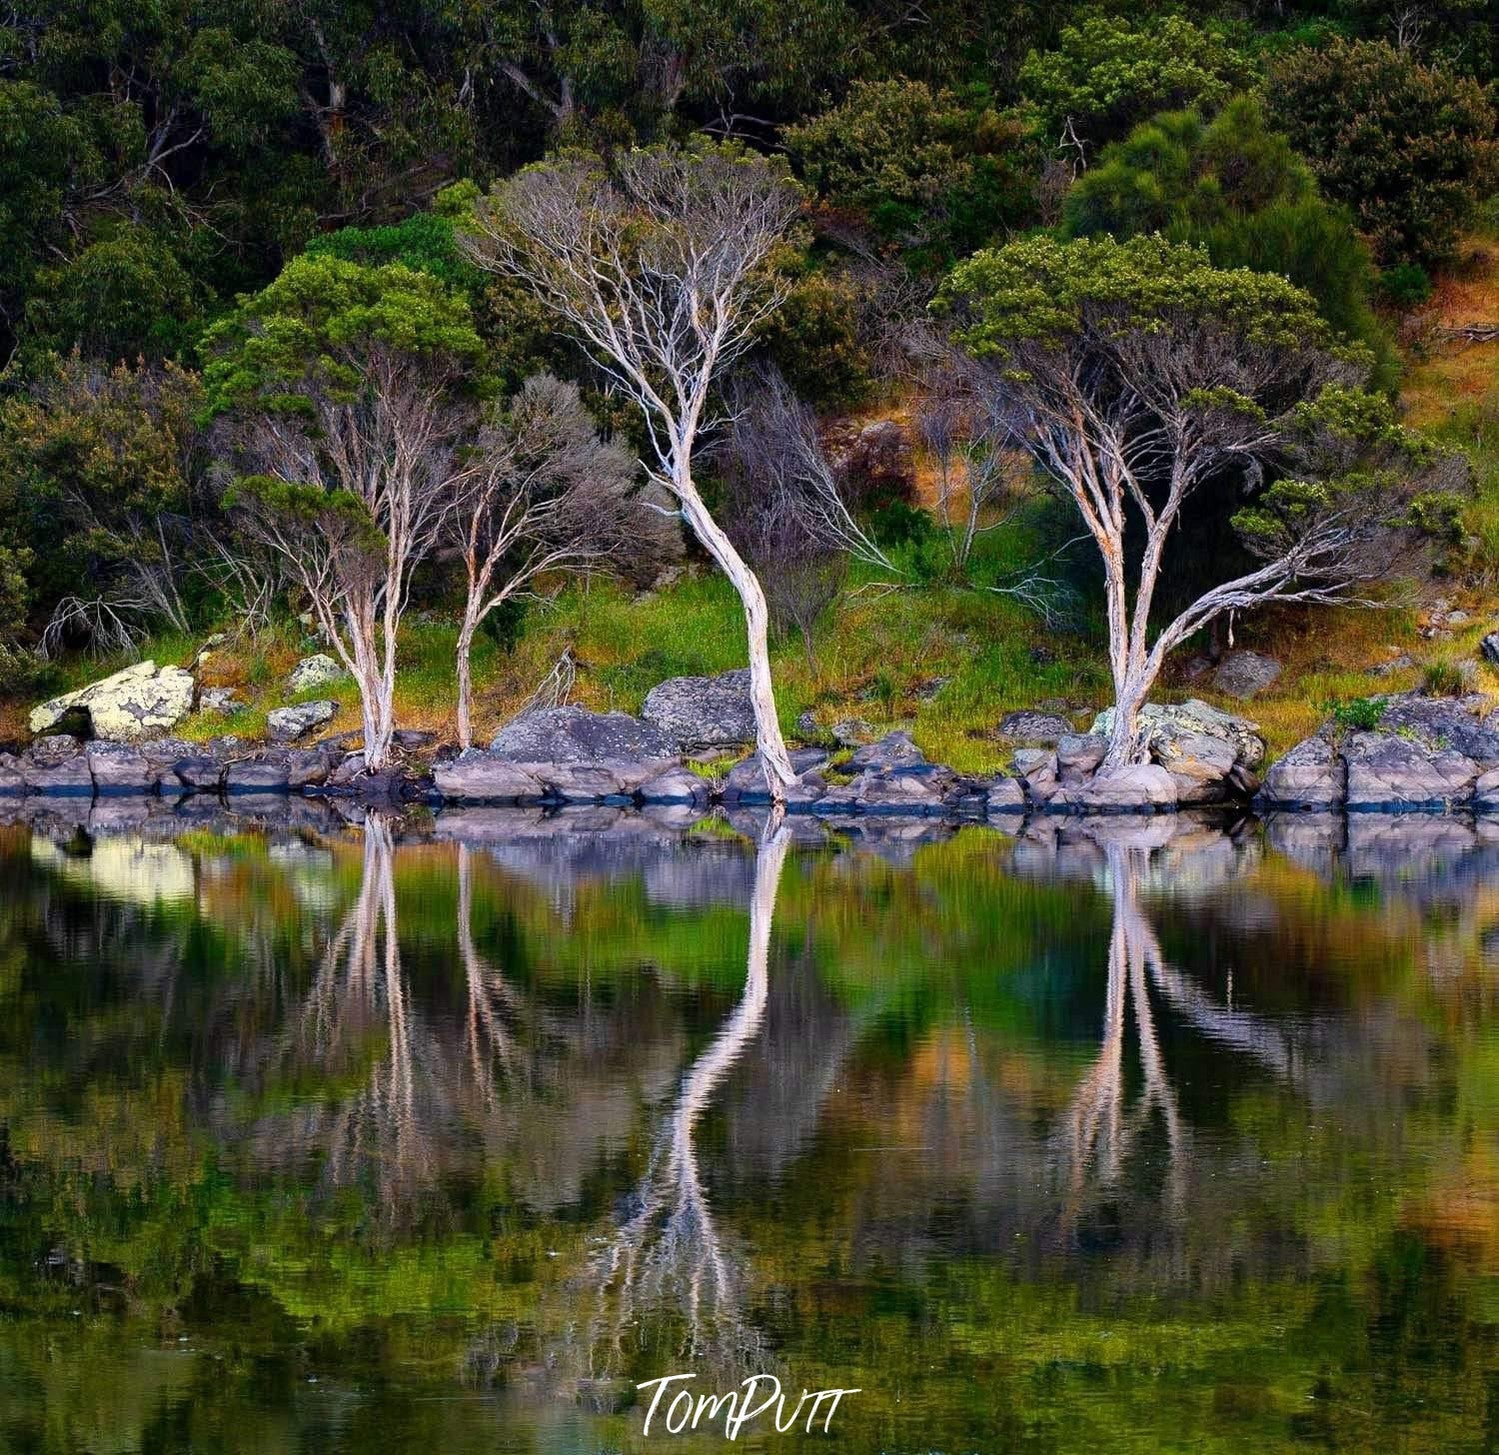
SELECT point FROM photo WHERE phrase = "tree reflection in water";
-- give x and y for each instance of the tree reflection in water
(668, 1251)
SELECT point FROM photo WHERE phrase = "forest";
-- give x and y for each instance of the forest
(953, 356)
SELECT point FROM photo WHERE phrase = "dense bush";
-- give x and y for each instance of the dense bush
(927, 169)
(1410, 148)
(1236, 187)
(1108, 73)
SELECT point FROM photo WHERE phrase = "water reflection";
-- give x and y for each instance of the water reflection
(1007, 1125)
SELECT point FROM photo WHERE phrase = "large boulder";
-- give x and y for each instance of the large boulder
(1161, 722)
(561, 754)
(1441, 723)
(287, 724)
(138, 702)
(264, 773)
(745, 784)
(1140, 788)
(703, 712)
(57, 764)
(1386, 772)
(1005, 798)
(1200, 765)
(1078, 756)
(318, 670)
(1245, 674)
(1489, 647)
(1310, 776)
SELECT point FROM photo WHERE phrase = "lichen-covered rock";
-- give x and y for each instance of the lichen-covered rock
(318, 670)
(575, 735)
(1030, 726)
(1140, 788)
(1245, 674)
(217, 699)
(703, 712)
(138, 702)
(1441, 723)
(287, 724)
(894, 750)
(1387, 772)
(1310, 776)
(1162, 721)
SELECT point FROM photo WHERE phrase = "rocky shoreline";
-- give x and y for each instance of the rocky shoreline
(1410, 753)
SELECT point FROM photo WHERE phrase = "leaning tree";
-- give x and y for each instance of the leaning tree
(659, 264)
(1137, 375)
(342, 393)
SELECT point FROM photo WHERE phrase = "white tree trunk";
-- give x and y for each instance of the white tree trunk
(465, 681)
(779, 773)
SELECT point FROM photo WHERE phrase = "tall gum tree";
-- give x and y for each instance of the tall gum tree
(1138, 376)
(659, 266)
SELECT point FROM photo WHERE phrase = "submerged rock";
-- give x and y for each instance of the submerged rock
(137, 702)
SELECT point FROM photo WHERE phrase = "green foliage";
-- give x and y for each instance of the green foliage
(1040, 289)
(1443, 679)
(1410, 148)
(813, 339)
(926, 168)
(1238, 189)
(1108, 73)
(1362, 714)
(1407, 285)
(315, 325)
(425, 242)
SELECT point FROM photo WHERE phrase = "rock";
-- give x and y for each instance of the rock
(1140, 788)
(1310, 776)
(12, 779)
(287, 724)
(1394, 773)
(1489, 647)
(852, 732)
(1201, 766)
(703, 712)
(575, 735)
(317, 670)
(1037, 771)
(475, 776)
(308, 767)
(413, 740)
(137, 702)
(807, 726)
(922, 788)
(349, 767)
(202, 774)
(1458, 618)
(894, 750)
(745, 783)
(872, 462)
(1029, 726)
(218, 699)
(1005, 796)
(676, 785)
(49, 768)
(1163, 721)
(1078, 755)
(1442, 722)
(1401, 663)
(121, 768)
(1486, 792)
(1245, 674)
(269, 773)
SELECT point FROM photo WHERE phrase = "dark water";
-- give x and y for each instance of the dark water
(443, 1138)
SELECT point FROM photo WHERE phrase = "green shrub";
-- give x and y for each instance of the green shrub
(1361, 713)
(1443, 679)
(1407, 285)
(1410, 148)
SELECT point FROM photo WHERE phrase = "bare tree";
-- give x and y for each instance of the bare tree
(542, 492)
(660, 268)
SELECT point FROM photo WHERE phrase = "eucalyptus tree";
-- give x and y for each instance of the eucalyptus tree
(1138, 376)
(660, 266)
(344, 399)
(541, 491)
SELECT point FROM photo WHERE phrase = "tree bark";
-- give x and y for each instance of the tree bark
(779, 774)
(465, 683)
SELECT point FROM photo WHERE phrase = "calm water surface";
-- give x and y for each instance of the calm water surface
(439, 1138)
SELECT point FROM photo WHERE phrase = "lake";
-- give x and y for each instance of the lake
(444, 1135)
